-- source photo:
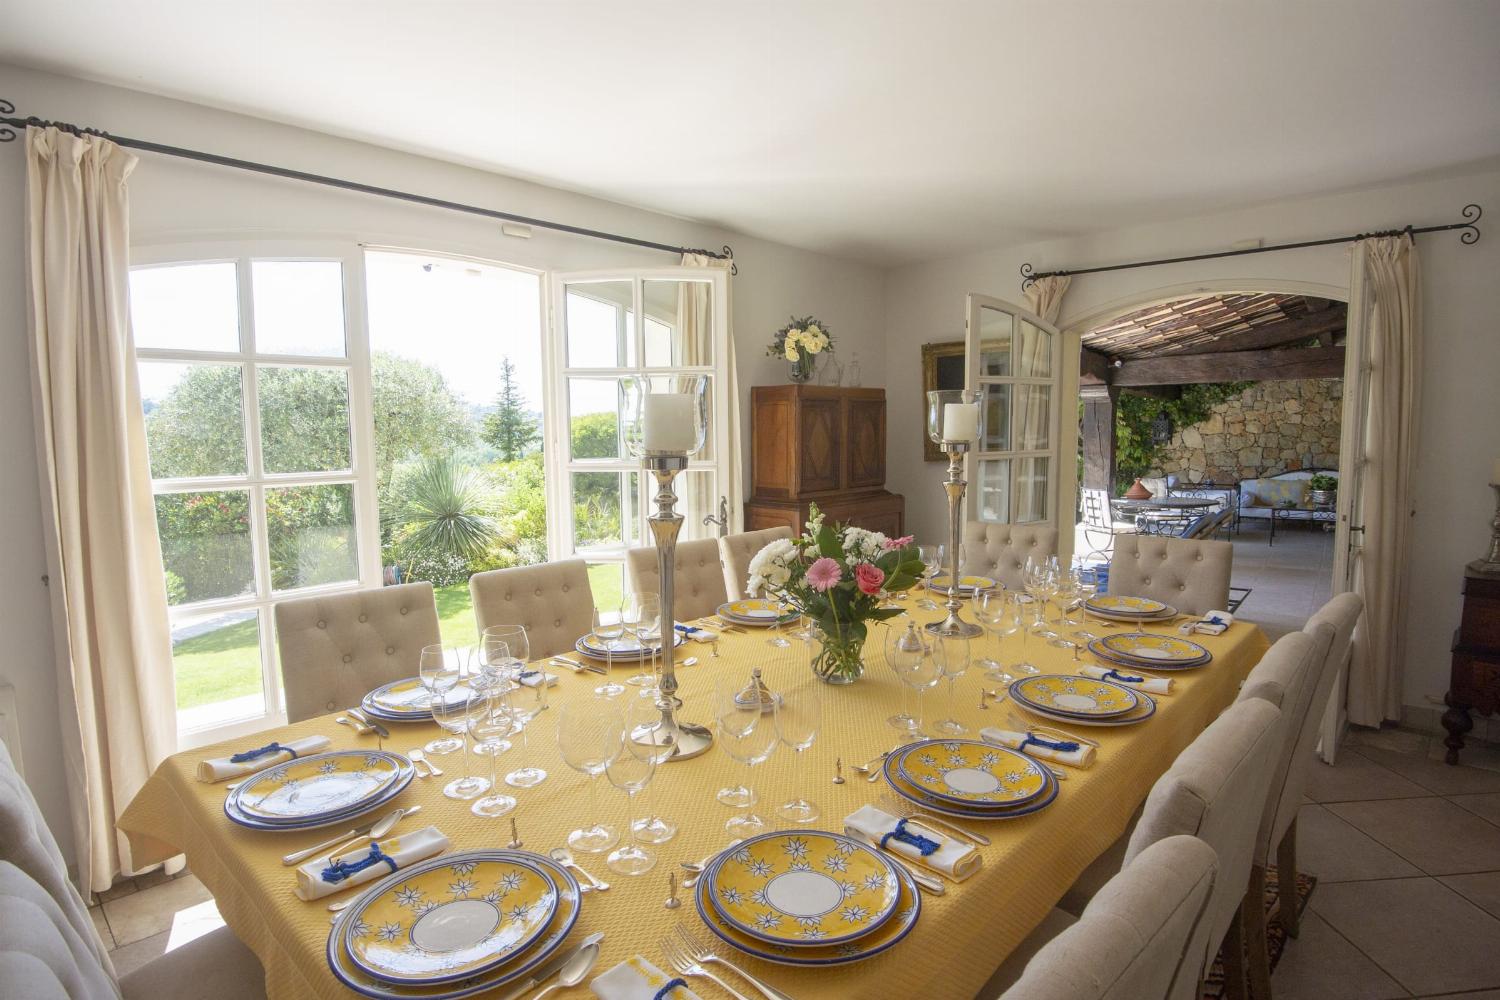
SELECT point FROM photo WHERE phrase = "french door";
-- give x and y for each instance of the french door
(1023, 469)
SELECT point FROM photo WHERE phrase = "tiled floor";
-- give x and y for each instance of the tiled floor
(145, 917)
(1407, 853)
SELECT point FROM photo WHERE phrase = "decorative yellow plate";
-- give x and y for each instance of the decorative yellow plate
(452, 920)
(971, 772)
(310, 786)
(1119, 604)
(1074, 696)
(904, 917)
(516, 967)
(1147, 647)
(803, 887)
(410, 697)
(972, 810)
(625, 648)
(966, 584)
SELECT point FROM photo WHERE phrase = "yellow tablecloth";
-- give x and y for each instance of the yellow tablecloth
(959, 940)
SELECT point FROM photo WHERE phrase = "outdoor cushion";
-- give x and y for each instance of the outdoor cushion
(1272, 492)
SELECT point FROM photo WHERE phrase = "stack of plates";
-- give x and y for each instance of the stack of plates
(967, 585)
(970, 779)
(319, 790)
(627, 648)
(756, 612)
(1082, 701)
(407, 701)
(804, 897)
(453, 926)
(1149, 650)
(1120, 608)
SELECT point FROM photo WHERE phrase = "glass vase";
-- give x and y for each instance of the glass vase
(802, 368)
(838, 652)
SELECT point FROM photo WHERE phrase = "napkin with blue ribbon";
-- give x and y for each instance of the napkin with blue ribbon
(1213, 623)
(1055, 749)
(258, 758)
(637, 979)
(533, 676)
(367, 861)
(912, 839)
(697, 633)
(1126, 676)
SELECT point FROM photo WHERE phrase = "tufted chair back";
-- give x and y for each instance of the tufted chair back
(336, 648)
(697, 582)
(1000, 550)
(1192, 575)
(1342, 612)
(552, 600)
(736, 551)
(64, 959)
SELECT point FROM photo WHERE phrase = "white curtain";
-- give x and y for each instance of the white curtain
(1394, 352)
(700, 313)
(117, 691)
(1044, 296)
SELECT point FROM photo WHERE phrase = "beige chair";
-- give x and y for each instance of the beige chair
(1000, 550)
(736, 551)
(1138, 938)
(336, 648)
(697, 580)
(552, 600)
(1190, 575)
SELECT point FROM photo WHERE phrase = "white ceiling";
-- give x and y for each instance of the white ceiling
(880, 130)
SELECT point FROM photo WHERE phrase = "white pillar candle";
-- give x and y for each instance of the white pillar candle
(1495, 473)
(960, 421)
(668, 420)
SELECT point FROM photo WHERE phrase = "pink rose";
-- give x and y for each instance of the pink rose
(824, 574)
(869, 578)
(898, 543)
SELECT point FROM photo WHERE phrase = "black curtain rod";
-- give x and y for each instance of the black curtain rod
(8, 134)
(1471, 214)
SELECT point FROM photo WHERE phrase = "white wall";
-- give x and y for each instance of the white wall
(1460, 429)
(174, 200)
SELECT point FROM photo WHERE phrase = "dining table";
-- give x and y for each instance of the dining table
(961, 936)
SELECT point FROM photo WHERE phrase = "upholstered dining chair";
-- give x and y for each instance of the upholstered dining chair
(1138, 938)
(1000, 550)
(335, 648)
(1192, 575)
(736, 551)
(697, 581)
(552, 600)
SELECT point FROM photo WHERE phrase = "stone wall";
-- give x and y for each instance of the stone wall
(1269, 428)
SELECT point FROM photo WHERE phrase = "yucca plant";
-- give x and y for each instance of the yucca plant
(445, 511)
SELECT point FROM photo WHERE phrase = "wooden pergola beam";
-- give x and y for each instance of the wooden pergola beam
(1231, 366)
(1094, 367)
(1279, 334)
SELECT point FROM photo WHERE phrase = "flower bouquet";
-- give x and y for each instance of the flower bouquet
(799, 341)
(842, 578)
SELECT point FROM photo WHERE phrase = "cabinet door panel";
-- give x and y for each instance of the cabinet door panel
(866, 430)
(821, 445)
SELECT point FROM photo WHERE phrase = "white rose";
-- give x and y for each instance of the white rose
(791, 351)
(814, 330)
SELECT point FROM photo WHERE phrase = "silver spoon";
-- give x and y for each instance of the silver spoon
(419, 757)
(576, 968)
(378, 829)
(564, 857)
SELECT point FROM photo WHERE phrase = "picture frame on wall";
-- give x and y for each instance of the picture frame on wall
(942, 368)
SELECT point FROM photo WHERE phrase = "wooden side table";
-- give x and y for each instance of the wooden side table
(1475, 681)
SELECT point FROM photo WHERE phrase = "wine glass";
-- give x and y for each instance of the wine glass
(902, 649)
(991, 609)
(489, 722)
(590, 734)
(749, 735)
(642, 720)
(609, 626)
(526, 700)
(496, 669)
(1025, 605)
(930, 555)
(642, 620)
(1088, 586)
(952, 656)
(920, 673)
(631, 773)
(777, 639)
(945, 554)
(517, 648)
(441, 668)
(453, 715)
(798, 715)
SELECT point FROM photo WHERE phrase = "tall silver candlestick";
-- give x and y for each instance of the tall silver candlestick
(953, 626)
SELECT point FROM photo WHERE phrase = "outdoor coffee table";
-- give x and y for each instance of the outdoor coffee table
(1323, 513)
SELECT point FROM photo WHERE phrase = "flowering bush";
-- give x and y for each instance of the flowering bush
(799, 340)
(840, 576)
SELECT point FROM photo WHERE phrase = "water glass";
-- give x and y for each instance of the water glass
(642, 723)
(453, 715)
(489, 722)
(441, 668)
(609, 626)
(951, 654)
(748, 735)
(590, 734)
(799, 715)
(920, 673)
(903, 648)
(643, 622)
(930, 556)
(631, 773)
(526, 701)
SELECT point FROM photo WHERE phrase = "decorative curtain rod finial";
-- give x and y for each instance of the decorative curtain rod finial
(7, 133)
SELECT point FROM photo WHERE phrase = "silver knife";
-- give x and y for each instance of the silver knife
(373, 723)
(550, 969)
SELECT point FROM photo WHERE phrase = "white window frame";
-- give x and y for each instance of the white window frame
(255, 481)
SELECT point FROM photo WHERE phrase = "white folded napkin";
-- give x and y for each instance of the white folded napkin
(1082, 757)
(1213, 623)
(637, 979)
(533, 677)
(223, 768)
(1122, 675)
(404, 850)
(953, 856)
(704, 635)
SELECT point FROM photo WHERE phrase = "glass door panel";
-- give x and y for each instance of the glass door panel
(1033, 419)
(599, 321)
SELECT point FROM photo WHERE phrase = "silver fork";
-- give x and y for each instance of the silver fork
(700, 952)
(686, 965)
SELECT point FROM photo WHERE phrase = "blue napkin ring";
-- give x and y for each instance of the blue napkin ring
(672, 984)
(344, 869)
(923, 844)
(1116, 675)
(240, 758)
(687, 629)
(1033, 740)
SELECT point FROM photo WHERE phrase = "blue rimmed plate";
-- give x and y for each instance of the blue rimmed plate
(318, 790)
(1150, 650)
(917, 796)
(1073, 696)
(407, 700)
(1140, 713)
(971, 773)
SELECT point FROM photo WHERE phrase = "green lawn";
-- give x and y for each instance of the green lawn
(225, 663)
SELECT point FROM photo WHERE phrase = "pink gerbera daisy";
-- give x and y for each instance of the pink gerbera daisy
(824, 574)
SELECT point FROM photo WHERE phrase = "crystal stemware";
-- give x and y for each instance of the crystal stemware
(643, 623)
(590, 734)
(453, 715)
(749, 736)
(920, 673)
(952, 656)
(903, 647)
(497, 666)
(993, 610)
(489, 722)
(609, 626)
(526, 699)
(799, 715)
(776, 638)
(645, 717)
(441, 668)
(631, 773)
(929, 554)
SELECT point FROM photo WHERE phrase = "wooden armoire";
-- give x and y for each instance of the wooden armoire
(823, 444)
